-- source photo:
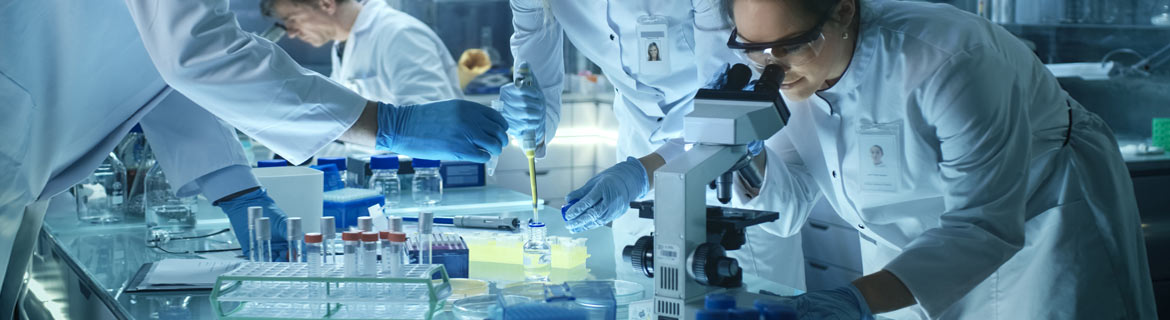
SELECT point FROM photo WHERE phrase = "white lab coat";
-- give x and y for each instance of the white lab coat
(71, 96)
(394, 58)
(649, 109)
(994, 217)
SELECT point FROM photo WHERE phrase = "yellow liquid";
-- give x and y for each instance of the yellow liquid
(531, 154)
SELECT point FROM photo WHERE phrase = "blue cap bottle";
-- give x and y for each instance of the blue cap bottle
(424, 163)
(383, 161)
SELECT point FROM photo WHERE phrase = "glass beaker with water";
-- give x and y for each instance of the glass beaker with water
(101, 197)
(167, 214)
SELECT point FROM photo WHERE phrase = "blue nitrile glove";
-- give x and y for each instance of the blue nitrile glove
(606, 196)
(444, 130)
(237, 212)
(843, 303)
(524, 107)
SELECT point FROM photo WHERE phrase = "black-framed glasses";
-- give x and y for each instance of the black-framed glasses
(789, 51)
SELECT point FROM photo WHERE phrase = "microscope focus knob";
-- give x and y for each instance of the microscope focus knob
(710, 266)
(641, 256)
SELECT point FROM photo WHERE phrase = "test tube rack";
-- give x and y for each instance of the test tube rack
(285, 290)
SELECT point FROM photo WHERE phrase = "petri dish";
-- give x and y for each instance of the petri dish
(481, 307)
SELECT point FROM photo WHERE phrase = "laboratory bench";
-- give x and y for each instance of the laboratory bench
(82, 271)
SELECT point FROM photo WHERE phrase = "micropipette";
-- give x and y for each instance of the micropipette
(528, 142)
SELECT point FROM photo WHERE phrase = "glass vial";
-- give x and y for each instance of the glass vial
(314, 256)
(296, 248)
(427, 184)
(264, 239)
(350, 258)
(254, 213)
(537, 254)
(426, 222)
(329, 240)
(384, 178)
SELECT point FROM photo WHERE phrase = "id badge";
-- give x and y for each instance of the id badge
(879, 152)
(653, 45)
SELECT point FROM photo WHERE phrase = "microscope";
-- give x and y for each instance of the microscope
(687, 254)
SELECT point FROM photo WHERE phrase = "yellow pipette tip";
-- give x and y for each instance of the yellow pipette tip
(531, 154)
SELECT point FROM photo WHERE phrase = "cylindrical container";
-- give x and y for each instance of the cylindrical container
(329, 242)
(167, 214)
(352, 241)
(395, 224)
(426, 222)
(384, 178)
(427, 184)
(254, 213)
(369, 258)
(264, 239)
(296, 248)
(397, 253)
(365, 224)
(340, 163)
(101, 197)
(314, 257)
(537, 254)
(384, 249)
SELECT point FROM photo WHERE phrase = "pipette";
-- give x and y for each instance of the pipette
(528, 142)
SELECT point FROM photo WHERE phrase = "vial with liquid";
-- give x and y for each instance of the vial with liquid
(264, 239)
(296, 248)
(314, 257)
(426, 223)
(329, 240)
(384, 178)
(350, 253)
(254, 213)
(537, 254)
(427, 185)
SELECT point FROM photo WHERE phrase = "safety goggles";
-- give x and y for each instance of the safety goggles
(793, 51)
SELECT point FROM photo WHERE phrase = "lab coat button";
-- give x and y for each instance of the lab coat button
(659, 119)
(834, 173)
(861, 226)
(611, 37)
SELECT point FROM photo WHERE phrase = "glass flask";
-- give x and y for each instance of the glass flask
(167, 214)
(100, 198)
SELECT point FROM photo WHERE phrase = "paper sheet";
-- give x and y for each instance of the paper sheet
(189, 271)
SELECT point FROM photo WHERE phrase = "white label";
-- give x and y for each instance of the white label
(668, 253)
(379, 218)
(641, 310)
(879, 157)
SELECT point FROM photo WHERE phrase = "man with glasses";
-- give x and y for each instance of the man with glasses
(997, 196)
(654, 85)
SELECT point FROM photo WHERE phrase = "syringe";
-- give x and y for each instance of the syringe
(523, 79)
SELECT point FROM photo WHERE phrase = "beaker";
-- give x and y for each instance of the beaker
(100, 198)
(167, 214)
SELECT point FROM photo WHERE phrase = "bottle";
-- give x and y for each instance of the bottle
(365, 224)
(254, 213)
(340, 163)
(136, 156)
(537, 254)
(101, 197)
(369, 259)
(427, 185)
(350, 255)
(167, 214)
(395, 224)
(296, 248)
(264, 239)
(384, 178)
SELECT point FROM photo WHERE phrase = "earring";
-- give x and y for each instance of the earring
(845, 35)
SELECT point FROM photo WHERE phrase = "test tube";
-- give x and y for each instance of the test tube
(296, 248)
(329, 238)
(395, 224)
(384, 249)
(264, 239)
(314, 253)
(350, 255)
(394, 257)
(426, 222)
(369, 258)
(253, 214)
(365, 224)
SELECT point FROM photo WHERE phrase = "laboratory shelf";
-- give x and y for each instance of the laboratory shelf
(283, 290)
(467, 201)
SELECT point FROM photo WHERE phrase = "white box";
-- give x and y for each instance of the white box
(297, 190)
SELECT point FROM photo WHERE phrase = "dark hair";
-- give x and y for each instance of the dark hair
(267, 7)
(811, 7)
